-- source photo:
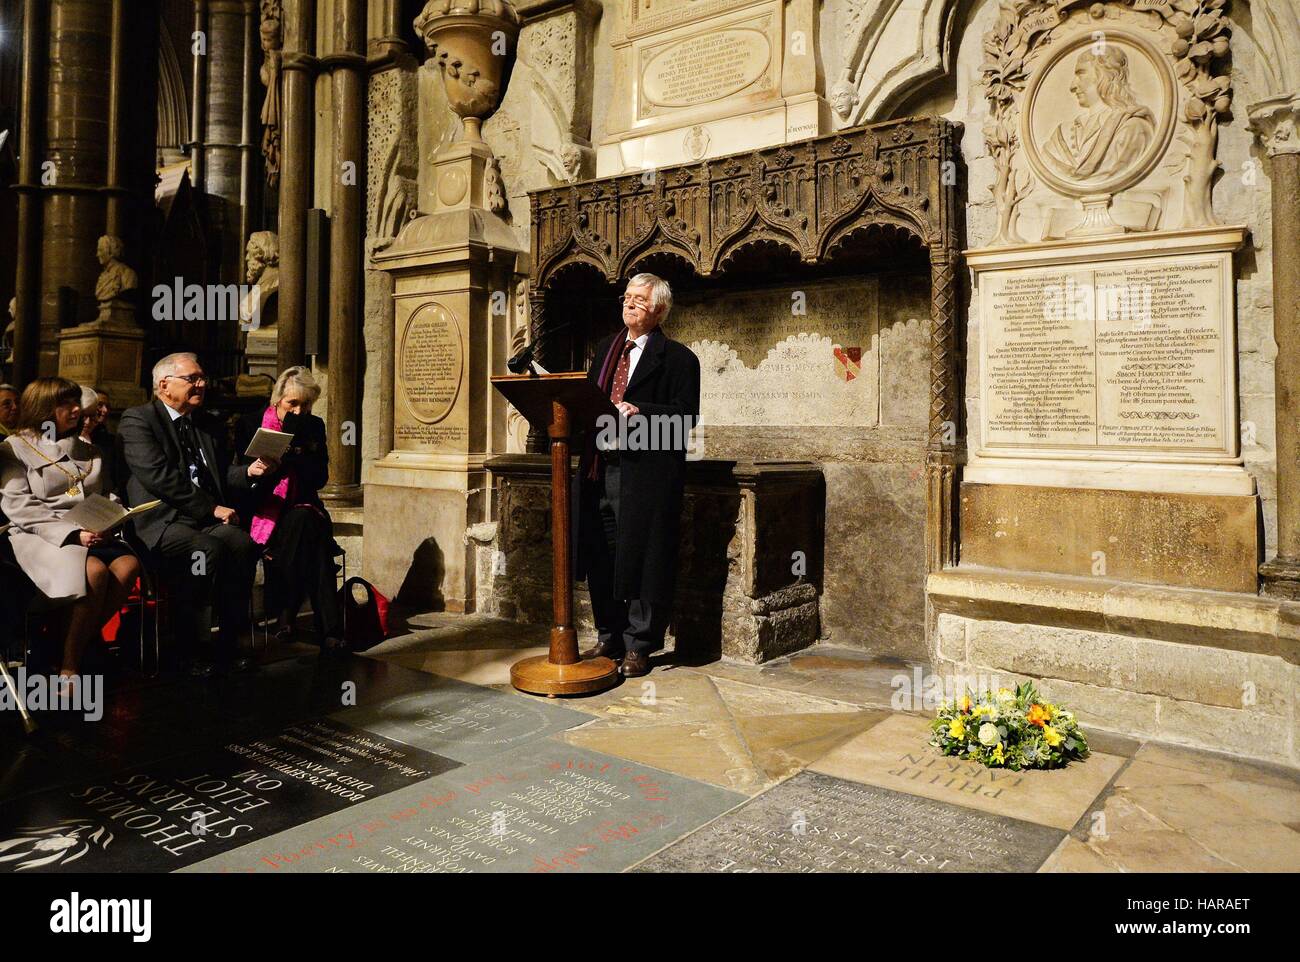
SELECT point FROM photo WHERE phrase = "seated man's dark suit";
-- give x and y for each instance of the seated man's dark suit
(629, 503)
(214, 562)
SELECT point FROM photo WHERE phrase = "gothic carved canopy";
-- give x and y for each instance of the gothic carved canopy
(806, 196)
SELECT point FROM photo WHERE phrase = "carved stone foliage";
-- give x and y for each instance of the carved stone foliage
(271, 31)
(392, 150)
(806, 197)
(1113, 105)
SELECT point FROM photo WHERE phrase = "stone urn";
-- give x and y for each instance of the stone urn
(473, 43)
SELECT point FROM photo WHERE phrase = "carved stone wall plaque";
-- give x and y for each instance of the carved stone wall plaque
(1110, 364)
(431, 362)
(693, 80)
(1122, 124)
(703, 68)
(1103, 116)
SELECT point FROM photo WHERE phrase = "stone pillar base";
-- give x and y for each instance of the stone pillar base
(1280, 578)
(105, 354)
(417, 510)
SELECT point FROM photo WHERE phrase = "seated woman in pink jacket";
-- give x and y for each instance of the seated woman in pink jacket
(289, 520)
(45, 471)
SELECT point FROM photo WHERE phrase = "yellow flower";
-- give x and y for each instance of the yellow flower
(982, 710)
(957, 729)
(998, 757)
(1051, 736)
(965, 703)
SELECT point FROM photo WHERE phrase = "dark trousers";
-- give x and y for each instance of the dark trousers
(301, 553)
(214, 568)
(633, 624)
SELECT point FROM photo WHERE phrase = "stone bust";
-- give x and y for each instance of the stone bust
(262, 270)
(116, 278)
(1112, 131)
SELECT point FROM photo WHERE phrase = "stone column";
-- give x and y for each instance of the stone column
(1277, 123)
(199, 102)
(114, 218)
(941, 451)
(230, 94)
(298, 106)
(27, 279)
(76, 144)
(347, 66)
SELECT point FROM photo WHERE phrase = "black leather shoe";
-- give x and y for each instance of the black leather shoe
(605, 649)
(635, 665)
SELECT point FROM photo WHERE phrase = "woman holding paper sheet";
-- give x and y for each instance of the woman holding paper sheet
(46, 470)
(289, 521)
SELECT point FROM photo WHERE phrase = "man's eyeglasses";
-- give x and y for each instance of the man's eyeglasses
(639, 303)
(194, 379)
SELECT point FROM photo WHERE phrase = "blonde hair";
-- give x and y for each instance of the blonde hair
(295, 380)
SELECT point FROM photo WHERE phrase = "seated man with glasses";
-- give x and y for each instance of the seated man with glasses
(177, 455)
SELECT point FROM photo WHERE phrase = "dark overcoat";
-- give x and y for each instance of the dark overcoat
(666, 382)
(151, 450)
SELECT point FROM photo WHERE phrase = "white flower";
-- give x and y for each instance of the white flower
(988, 734)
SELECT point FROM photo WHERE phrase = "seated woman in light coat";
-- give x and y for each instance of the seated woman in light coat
(46, 469)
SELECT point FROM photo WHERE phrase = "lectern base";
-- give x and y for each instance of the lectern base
(539, 676)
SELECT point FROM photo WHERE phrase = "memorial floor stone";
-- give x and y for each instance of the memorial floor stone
(896, 754)
(163, 815)
(816, 823)
(464, 722)
(546, 807)
(731, 734)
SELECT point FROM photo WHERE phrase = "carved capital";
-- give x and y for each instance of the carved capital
(1276, 122)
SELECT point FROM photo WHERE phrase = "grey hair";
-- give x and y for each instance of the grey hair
(167, 365)
(661, 295)
(89, 398)
(295, 380)
(8, 387)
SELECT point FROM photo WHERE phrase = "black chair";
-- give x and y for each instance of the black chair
(17, 592)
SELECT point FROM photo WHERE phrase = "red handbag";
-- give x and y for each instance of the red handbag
(365, 622)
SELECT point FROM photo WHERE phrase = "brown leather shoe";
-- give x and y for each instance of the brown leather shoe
(635, 664)
(605, 649)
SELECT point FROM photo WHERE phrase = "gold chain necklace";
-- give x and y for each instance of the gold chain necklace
(74, 489)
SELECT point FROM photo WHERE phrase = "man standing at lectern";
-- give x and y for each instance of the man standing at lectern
(630, 497)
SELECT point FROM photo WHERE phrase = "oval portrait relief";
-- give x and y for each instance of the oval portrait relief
(431, 363)
(1098, 114)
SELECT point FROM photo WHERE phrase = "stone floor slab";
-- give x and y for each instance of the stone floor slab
(172, 812)
(896, 754)
(816, 823)
(547, 808)
(464, 722)
(1254, 846)
(489, 666)
(1220, 767)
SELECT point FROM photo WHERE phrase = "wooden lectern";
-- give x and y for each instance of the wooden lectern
(563, 404)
